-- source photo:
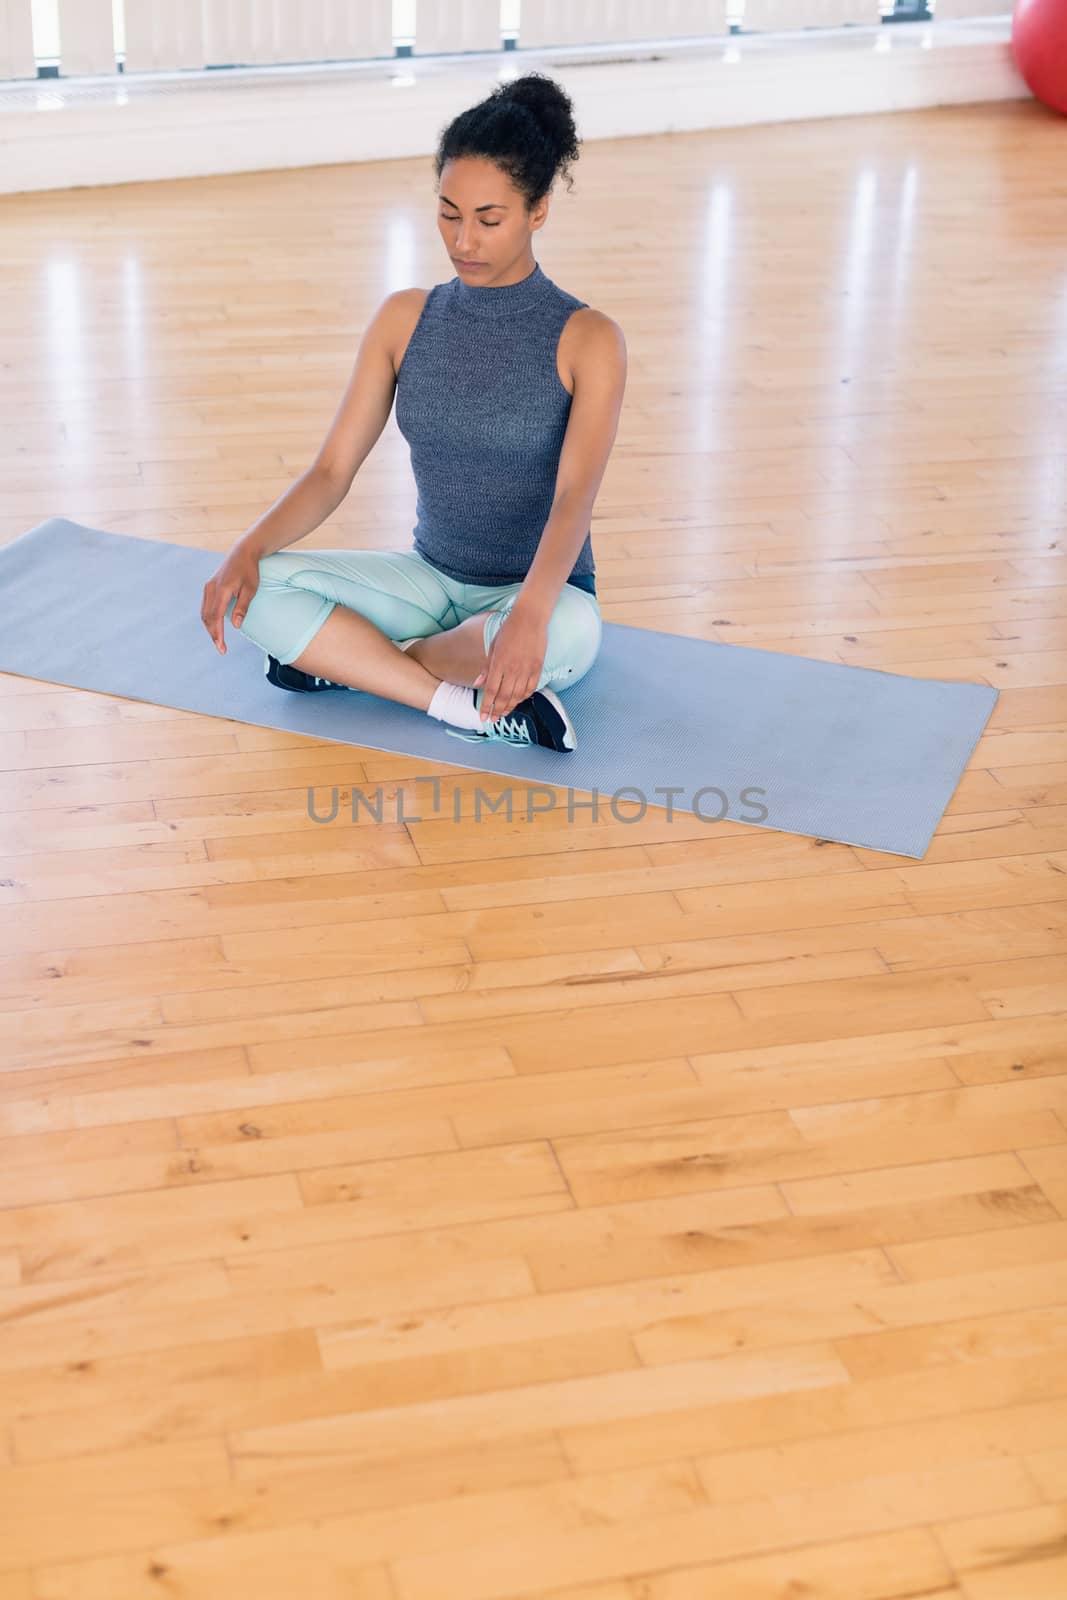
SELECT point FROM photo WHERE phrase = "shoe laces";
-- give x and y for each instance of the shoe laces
(510, 728)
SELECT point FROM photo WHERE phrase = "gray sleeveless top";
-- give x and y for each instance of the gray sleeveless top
(480, 403)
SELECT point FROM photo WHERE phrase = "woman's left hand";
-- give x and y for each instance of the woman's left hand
(513, 668)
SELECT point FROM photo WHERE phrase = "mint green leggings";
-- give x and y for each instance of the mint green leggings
(406, 598)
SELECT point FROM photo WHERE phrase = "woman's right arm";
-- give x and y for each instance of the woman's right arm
(318, 492)
(310, 500)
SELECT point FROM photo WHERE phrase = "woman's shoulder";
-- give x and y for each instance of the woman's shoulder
(404, 303)
(587, 316)
(590, 329)
(589, 339)
(402, 310)
(584, 319)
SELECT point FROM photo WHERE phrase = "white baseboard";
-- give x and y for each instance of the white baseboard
(76, 133)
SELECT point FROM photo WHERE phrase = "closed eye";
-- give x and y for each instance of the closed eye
(485, 224)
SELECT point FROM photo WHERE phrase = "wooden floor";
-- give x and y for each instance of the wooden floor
(607, 1211)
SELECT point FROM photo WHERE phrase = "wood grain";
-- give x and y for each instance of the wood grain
(469, 1208)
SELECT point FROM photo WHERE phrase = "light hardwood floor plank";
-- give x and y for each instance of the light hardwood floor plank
(439, 1205)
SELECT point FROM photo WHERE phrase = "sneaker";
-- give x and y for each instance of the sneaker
(284, 677)
(539, 719)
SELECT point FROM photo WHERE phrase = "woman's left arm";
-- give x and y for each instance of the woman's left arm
(518, 651)
(599, 367)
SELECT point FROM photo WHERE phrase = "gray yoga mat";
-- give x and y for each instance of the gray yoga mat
(779, 741)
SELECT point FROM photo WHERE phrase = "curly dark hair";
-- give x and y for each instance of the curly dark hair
(526, 127)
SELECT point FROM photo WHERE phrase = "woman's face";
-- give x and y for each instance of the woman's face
(484, 223)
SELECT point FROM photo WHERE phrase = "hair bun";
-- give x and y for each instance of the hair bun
(538, 92)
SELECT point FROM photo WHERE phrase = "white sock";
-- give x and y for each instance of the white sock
(454, 702)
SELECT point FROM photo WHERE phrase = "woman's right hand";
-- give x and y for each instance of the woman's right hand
(238, 575)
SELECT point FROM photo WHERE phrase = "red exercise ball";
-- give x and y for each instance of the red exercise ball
(1039, 44)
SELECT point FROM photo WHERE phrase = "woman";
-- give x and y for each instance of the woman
(508, 391)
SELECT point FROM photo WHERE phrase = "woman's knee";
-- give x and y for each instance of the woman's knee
(575, 631)
(280, 619)
(574, 637)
